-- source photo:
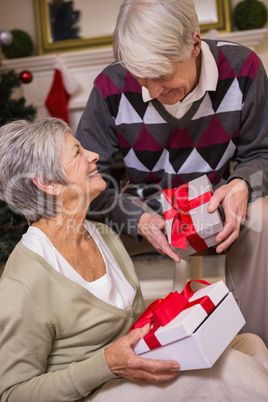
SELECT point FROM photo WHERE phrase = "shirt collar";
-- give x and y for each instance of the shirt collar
(207, 82)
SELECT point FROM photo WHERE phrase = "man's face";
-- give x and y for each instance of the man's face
(174, 87)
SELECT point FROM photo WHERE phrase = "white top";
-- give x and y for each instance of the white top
(207, 82)
(112, 287)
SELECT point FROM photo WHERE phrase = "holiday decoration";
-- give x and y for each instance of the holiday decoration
(250, 14)
(6, 38)
(10, 108)
(26, 77)
(21, 46)
(12, 223)
(63, 86)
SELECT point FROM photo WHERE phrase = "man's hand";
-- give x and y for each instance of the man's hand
(123, 362)
(234, 199)
(151, 226)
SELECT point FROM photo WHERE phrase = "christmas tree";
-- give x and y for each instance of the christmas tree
(12, 223)
(12, 109)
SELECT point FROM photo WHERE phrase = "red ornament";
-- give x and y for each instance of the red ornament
(26, 77)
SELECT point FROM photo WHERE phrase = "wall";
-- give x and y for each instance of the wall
(18, 14)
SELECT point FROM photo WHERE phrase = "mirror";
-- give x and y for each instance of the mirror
(69, 25)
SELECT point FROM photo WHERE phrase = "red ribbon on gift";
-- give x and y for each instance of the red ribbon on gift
(182, 225)
(162, 311)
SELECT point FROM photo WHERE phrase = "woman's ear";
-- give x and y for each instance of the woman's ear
(49, 188)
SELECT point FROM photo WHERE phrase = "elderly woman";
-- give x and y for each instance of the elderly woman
(69, 293)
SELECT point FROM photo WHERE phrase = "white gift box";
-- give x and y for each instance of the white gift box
(207, 225)
(194, 338)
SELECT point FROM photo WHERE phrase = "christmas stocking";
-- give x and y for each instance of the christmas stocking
(63, 86)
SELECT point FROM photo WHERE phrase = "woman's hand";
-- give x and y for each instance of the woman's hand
(151, 226)
(123, 362)
(234, 199)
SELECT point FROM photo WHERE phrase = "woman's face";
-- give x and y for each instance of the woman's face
(85, 183)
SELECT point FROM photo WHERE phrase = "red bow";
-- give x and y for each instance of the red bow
(182, 224)
(162, 311)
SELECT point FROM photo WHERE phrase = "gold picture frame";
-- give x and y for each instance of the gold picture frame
(224, 23)
(47, 46)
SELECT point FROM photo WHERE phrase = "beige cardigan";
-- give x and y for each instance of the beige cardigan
(53, 332)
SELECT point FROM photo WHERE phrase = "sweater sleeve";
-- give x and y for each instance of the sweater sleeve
(117, 211)
(252, 145)
(26, 341)
(96, 132)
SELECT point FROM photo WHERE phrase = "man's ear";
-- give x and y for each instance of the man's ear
(49, 188)
(197, 44)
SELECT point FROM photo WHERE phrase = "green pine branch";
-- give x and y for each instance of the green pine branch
(12, 223)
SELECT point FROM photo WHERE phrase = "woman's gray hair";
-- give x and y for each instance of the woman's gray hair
(150, 35)
(28, 151)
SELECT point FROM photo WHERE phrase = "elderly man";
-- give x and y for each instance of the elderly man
(178, 107)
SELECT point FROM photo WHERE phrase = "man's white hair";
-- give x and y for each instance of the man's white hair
(150, 35)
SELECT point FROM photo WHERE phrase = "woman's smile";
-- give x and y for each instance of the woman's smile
(93, 173)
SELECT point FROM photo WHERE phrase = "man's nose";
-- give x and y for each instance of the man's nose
(155, 88)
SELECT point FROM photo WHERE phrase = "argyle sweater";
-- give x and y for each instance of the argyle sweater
(160, 151)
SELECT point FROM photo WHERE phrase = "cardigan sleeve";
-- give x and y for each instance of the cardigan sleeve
(26, 340)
